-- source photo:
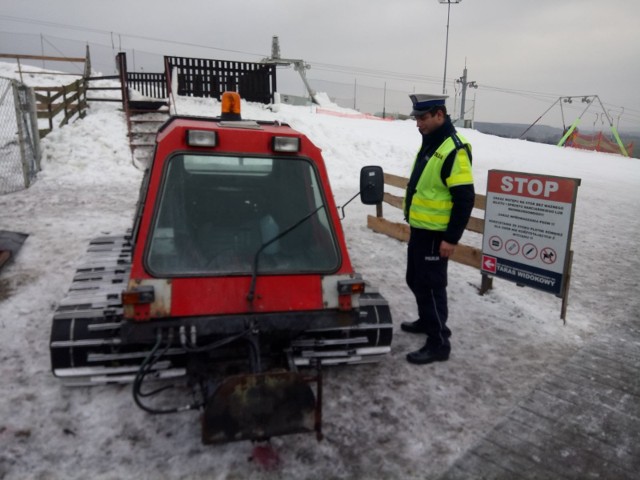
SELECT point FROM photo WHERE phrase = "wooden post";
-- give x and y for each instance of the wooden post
(486, 284)
(64, 101)
(379, 210)
(565, 293)
(87, 65)
(20, 70)
(81, 85)
(50, 116)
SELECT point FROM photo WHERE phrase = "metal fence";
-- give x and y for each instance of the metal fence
(19, 140)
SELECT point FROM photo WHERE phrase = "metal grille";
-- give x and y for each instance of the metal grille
(19, 141)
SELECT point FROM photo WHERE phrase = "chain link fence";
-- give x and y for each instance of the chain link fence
(19, 139)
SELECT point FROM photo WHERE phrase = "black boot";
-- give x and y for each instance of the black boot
(413, 327)
(429, 354)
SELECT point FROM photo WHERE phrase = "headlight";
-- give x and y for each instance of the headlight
(285, 144)
(201, 138)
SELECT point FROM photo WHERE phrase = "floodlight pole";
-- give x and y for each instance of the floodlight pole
(446, 48)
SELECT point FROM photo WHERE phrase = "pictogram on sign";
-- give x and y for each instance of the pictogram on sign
(489, 264)
(530, 251)
(495, 243)
(512, 247)
(548, 255)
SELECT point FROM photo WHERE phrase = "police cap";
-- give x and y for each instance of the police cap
(423, 102)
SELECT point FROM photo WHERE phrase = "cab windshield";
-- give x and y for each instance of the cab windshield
(214, 213)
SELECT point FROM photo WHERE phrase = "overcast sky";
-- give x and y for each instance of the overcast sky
(522, 54)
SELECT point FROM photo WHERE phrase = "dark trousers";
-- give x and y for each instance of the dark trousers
(427, 279)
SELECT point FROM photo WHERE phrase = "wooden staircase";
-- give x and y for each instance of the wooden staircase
(145, 95)
(144, 118)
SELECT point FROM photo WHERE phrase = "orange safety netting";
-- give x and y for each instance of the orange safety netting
(367, 116)
(598, 142)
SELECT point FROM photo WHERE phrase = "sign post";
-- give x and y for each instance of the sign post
(527, 230)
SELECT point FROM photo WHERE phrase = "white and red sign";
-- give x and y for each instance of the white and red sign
(527, 230)
(489, 264)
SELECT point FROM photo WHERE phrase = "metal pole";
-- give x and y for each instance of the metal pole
(529, 127)
(355, 88)
(42, 50)
(21, 134)
(473, 111)
(464, 93)
(384, 101)
(623, 150)
(446, 50)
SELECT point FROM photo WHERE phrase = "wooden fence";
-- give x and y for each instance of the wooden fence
(47, 58)
(51, 101)
(198, 77)
(201, 77)
(153, 85)
(91, 87)
(71, 98)
(464, 254)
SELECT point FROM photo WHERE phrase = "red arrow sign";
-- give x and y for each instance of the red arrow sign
(489, 264)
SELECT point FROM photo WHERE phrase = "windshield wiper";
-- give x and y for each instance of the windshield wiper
(254, 272)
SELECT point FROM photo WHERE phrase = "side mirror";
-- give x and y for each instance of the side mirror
(371, 185)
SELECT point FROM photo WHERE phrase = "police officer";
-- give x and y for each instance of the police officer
(437, 205)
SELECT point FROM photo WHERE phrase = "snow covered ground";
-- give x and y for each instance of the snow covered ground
(390, 420)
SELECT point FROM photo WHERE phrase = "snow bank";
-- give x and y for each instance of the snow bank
(391, 420)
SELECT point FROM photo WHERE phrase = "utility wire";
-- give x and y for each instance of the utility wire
(127, 35)
(320, 66)
(61, 53)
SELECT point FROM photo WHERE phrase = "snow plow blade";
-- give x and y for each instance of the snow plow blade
(259, 406)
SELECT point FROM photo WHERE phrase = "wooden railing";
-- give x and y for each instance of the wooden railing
(152, 85)
(91, 87)
(51, 101)
(47, 58)
(465, 254)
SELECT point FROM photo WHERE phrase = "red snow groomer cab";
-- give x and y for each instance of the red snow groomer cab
(235, 275)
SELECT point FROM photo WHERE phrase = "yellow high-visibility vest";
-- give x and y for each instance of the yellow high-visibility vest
(431, 204)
